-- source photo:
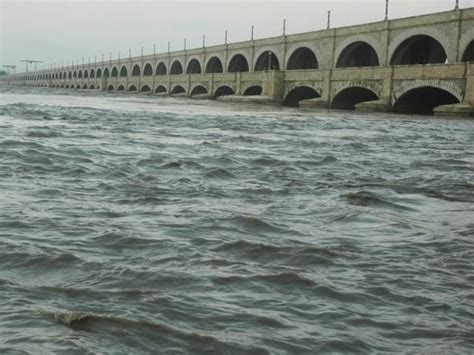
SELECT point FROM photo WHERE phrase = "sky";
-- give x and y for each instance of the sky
(64, 30)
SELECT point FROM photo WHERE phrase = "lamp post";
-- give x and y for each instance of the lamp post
(251, 33)
(329, 20)
(284, 27)
(386, 10)
(457, 5)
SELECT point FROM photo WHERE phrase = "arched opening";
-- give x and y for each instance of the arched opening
(348, 98)
(136, 70)
(62, 86)
(77, 86)
(161, 69)
(132, 88)
(123, 71)
(106, 73)
(214, 65)
(267, 61)
(148, 70)
(238, 63)
(199, 90)
(358, 54)
(74, 75)
(176, 68)
(178, 90)
(303, 58)
(145, 88)
(99, 73)
(420, 49)
(253, 91)
(92, 73)
(110, 88)
(92, 87)
(86, 74)
(423, 100)
(60, 75)
(223, 91)
(67, 86)
(80, 74)
(120, 88)
(468, 55)
(114, 73)
(300, 93)
(194, 67)
(160, 89)
(84, 87)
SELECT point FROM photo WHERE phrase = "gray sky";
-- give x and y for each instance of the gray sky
(55, 31)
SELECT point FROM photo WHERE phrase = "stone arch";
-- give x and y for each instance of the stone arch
(74, 75)
(92, 74)
(454, 87)
(193, 67)
(358, 54)
(214, 65)
(468, 54)
(160, 89)
(123, 71)
(99, 73)
(262, 60)
(132, 88)
(161, 69)
(238, 63)
(349, 41)
(423, 100)
(67, 87)
(176, 67)
(136, 70)
(399, 45)
(79, 74)
(86, 74)
(299, 93)
(77, 86)
(145, 88)
(254, 90)
(302, 57)
(178, 89)
(110, 88)
(121, 88)
(199, 90)
(114, 72)
(147, 70)
(223, 90)
(85, 86)
(349, 97)
(92, 87)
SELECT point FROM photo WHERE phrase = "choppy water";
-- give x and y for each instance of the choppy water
(131, 224)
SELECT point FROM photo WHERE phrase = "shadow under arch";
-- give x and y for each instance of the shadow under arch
(267, 61)
(348, 98)
(358, 54)
(302, 58)
(223, 91)
(424, 100)
(199, 90)
(419, 49)
(194, 67)
(178, 89)
(238, 63)
(298, 94)
(253, 91)
(160, 89)
(468, 55)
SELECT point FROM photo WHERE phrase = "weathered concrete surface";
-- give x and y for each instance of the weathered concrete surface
(314, 103)
(458, 110)
(247, 99)
(374, 106)
(322, 71)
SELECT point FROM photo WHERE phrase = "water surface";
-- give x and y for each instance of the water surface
(136, 224)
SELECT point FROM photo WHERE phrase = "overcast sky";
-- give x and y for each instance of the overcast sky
(56, 31)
